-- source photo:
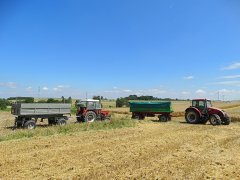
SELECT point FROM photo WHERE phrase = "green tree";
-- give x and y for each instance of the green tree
(29, 100)
(98, 97)
(68, 100)
(51, 100)
(3, 104)
(120, 102)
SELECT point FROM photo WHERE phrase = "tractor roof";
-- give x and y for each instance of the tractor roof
(89, 100)
(201, 100)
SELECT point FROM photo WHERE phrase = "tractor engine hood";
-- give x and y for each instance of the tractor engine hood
(216, 110)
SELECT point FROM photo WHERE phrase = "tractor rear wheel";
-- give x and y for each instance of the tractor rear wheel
(192, 117)
(90, 116)
(215, 120)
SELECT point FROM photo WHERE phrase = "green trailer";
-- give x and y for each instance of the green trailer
(140, 110)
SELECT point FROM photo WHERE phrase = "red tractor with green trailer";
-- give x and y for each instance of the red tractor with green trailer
(201, 111)
(91, 110)
(143, 109)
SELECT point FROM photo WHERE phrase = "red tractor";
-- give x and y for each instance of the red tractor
(202, 111)
(91, 110)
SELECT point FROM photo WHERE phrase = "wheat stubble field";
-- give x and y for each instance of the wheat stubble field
(149, 150)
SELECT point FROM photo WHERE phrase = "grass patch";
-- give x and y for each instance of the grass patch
(115, 123)
(74, 110)
(8, 109)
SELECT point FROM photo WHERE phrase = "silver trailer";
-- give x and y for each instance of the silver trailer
(27, 114)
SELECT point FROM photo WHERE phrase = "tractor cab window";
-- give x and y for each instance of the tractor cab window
(209, 104)
(201, 104)
(91, 105)
(194, 103)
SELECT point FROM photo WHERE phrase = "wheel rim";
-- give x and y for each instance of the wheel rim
(62, 123)
(192, 117)
(90, 118)
(31, 126)
(163, 118)
(213, 120)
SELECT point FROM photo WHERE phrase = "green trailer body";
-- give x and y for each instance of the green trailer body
(157, 107)
(140, 110)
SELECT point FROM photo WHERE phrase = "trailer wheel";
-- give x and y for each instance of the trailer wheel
(163, 118)
(137, 116)
(62, 122)
(90, 116)
(215, 120)
(51, 121)
(30, 124)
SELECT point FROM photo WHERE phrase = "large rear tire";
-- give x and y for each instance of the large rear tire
(90, 116)
(192, 117)
(215, 120)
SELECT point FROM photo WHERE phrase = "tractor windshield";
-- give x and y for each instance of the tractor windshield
(90, 104)
(201, 104)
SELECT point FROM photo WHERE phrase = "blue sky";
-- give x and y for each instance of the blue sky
(164, 48)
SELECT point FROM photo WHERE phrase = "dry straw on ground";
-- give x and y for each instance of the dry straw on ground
(151, 150)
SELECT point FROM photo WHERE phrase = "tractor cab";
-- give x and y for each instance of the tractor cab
(89, 104)
(90, 110)
(202, 104)
(202, 111)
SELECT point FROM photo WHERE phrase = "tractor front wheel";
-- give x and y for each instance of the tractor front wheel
(90, 116)
(215, 120)
(192, 117)
(227, 120)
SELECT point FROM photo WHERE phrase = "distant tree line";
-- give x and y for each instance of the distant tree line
(120, 102)
(7, 102)
(62, 100)
(4, 103)
(32, 100)
(22, 99)
(98, 98)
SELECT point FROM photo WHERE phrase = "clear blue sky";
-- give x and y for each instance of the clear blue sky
(164, 48)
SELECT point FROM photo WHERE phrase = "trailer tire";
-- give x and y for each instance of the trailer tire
(90, 116)
(30, 124)
(141, 117)
(163, 118)
(51, 121)
(215, 120)
(62, 122)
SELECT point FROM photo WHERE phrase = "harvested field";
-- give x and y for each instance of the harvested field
(149, 150)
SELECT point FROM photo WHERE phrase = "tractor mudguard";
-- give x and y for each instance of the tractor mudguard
(194, 109)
